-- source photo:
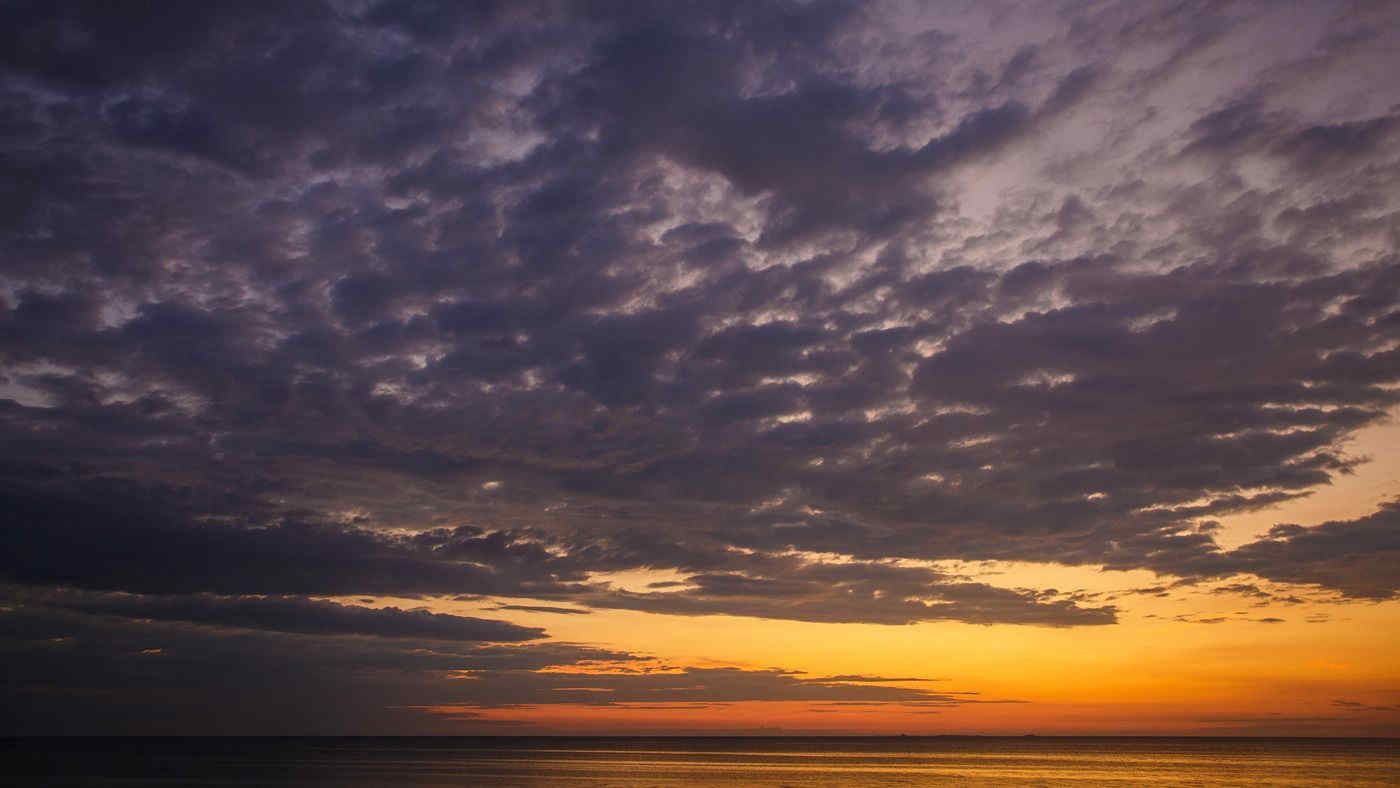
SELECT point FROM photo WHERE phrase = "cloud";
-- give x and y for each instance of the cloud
(789, 300)
(132, 543)
(854, 593)
(1352, 705)
(694, 685)
(165, 554)
(544, 609)
(149, 673)
(1355, 557)
(294, 614)
(85, 673)
(876, 679)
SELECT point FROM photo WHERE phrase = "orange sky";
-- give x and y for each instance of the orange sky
(1187, 662)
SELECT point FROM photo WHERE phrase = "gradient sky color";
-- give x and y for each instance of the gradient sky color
(396, 367)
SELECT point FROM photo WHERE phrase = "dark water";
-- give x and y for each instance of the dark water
(637, 762)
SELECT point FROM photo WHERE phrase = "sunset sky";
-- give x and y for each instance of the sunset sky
(759, 367)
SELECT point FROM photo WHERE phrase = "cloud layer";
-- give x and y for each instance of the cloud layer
(790, 300)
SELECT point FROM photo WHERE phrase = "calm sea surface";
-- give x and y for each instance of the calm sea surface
(638, 762)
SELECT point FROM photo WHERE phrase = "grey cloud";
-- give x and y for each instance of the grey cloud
(132, 542)
(1355, 557)
(854, 593)
(152, 674)
(876, 679)
(1352, 705)
(544, 609)
(166, 554)
(294, 614)
(692, 685)
(400, 299)
(81, 673)
(1322, 145)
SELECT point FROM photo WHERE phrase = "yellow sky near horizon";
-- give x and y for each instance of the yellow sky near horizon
(1073, 679)
(1187, 659)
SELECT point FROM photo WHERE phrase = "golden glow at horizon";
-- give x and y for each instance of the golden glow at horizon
(1161, 669)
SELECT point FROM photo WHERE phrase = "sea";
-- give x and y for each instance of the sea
(633, 762)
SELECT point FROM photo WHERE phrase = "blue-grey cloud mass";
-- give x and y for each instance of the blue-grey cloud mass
(793, 300)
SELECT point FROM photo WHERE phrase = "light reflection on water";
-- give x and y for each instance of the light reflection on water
(769, 763)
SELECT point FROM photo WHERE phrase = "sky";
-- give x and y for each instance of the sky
(411, 367)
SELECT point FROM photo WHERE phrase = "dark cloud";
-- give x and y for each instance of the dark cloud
(876, 679)
(81, 673)
(149, 674)
(544, 609)
(850, 593)
(524, 323)
(1352, 705)
(1355, 557)
(131, 545)
(694, 685)
(293, 614)
(793, 300)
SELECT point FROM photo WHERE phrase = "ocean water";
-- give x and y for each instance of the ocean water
(639, 762)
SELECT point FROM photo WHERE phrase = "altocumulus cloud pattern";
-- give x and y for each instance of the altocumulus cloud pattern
(790, 301)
